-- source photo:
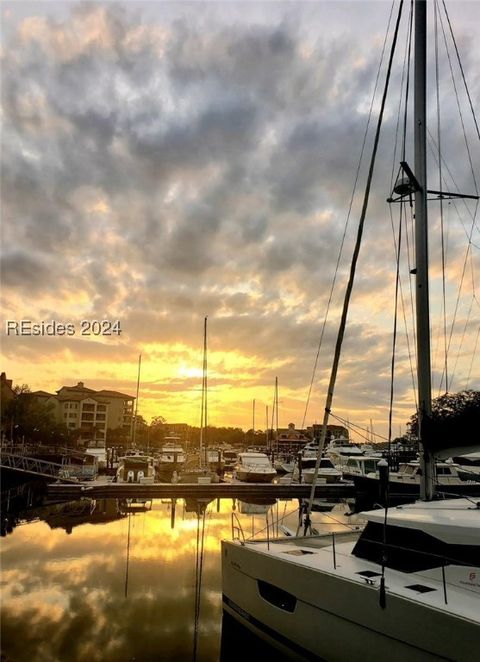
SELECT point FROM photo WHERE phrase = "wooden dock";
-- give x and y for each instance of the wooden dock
(196, 490)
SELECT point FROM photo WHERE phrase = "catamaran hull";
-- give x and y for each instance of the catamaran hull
(312, 614)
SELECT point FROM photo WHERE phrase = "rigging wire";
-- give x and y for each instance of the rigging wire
(351, 279)
(440, 182)
(342, 243)
(358, 429)
(398, 245)
(458, 105)
(461, 69)
(394, 340)
(473, 357)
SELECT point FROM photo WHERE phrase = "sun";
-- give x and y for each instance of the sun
(189, 371)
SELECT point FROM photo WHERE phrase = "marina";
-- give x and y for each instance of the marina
(129, 564)
(238, 216)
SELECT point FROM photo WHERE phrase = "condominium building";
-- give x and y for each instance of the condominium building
(91, 412)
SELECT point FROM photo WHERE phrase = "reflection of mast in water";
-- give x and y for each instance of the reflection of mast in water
(199, 553)
(172, 514)
(128, 554)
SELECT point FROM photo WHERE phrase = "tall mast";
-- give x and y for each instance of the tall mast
(203, 417)
(276, 410)
(253, 420)
(421, 252)
(134, 430)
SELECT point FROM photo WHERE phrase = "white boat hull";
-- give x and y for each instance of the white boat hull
(334, 619)
(252, 476)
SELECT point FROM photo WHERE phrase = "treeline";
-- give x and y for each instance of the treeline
(24, 418)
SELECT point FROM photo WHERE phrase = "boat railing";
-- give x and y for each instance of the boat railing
(440, 561)
(237, 529)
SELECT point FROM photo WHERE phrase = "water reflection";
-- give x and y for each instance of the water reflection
(110, 580)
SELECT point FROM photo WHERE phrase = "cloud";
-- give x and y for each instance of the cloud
(161, 165)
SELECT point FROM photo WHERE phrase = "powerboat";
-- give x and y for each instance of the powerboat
(135, 469)
(254, 468)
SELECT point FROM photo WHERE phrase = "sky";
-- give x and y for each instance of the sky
(163, 162)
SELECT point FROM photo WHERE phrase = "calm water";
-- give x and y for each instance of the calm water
(102, 580)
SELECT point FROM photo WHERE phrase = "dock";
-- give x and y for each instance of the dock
(198, 491)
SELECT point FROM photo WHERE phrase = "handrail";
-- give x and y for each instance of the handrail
(30, 464)
(237, 528)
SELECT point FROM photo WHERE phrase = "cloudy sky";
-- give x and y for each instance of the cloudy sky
(163, 162)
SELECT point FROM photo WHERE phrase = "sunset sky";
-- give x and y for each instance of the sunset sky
(163, 162)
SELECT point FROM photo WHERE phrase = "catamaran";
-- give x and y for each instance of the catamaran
(407, 588)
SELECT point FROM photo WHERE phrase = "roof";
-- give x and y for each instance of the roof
(78, 397)
(77, 388)
(115, 394)
(43, 394)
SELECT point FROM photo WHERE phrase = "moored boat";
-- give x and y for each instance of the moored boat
(408, 587)
(135, 469)
(254, 468)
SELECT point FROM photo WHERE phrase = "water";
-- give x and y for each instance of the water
(100, 580)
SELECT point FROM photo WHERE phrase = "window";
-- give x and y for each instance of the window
(411, 550)
(277, 596)
(444, 471)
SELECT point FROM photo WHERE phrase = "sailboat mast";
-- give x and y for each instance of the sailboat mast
(253, 419)
(134, 430)
(421, 251)
(276, 411)
(203, 417)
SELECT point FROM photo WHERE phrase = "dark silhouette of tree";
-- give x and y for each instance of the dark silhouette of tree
(455, 420)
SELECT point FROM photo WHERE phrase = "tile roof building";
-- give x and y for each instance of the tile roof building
(91, 412)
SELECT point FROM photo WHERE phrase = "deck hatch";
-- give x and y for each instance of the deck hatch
(298, 552)
(420, 588)
(277, 596)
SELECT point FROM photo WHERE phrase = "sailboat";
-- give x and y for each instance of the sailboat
(196, 470)
(407, 587)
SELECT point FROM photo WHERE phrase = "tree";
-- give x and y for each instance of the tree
(29, 418)
(455, 418)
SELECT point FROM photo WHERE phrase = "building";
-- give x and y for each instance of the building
(333, 431)
(7, 394)
(91, 413)
(290, 439)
